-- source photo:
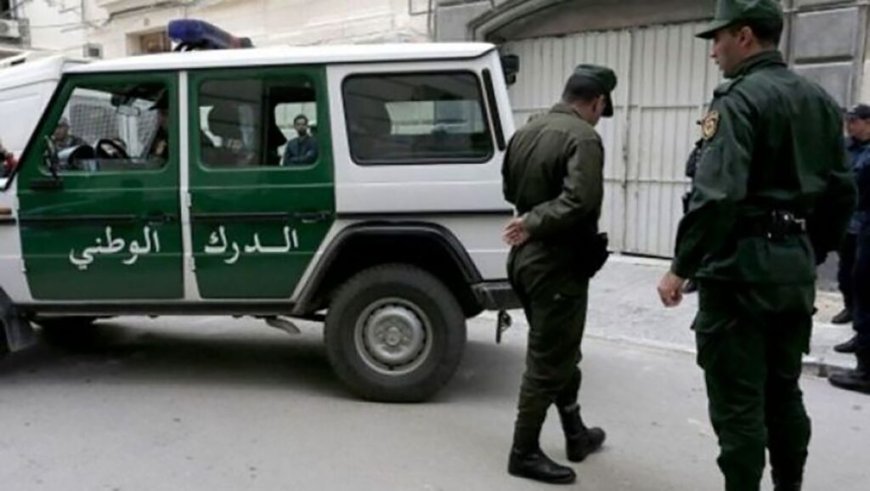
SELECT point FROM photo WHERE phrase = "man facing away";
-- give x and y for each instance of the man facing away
(773, 194)
(553, 175)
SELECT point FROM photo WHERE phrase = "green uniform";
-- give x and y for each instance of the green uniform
(553, 175)
(772, 165)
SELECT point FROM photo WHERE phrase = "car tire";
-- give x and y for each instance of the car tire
(394, 333)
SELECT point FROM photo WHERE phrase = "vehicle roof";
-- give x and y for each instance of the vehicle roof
(36, 71)
(286, 55)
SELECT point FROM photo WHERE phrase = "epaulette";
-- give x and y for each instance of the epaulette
(726, 86)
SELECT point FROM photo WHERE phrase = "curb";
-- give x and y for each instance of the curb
(812, 365)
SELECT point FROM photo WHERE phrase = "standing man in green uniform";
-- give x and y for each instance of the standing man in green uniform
(773, 194)
(553, 175)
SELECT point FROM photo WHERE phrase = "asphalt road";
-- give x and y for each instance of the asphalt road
(226, 404)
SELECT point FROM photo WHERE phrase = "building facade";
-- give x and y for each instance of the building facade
(114, 28)
(666, 81)
(128, 27)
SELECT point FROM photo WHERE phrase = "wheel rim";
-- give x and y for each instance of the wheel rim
(393, 336)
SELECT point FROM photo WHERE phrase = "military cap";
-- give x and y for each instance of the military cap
(861, 111)
(597, 77)
(730, 12)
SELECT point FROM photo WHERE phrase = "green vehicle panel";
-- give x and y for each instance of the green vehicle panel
(102, 235)
(257, 225)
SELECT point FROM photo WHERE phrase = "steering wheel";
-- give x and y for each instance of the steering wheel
(110, 149)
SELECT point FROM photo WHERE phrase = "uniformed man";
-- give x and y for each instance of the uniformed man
(858, 379)
(63, 138)
(553, 175)
(858, 149)
(773, 194)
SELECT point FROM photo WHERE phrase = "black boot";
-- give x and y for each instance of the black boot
(534, 464)
(785, 480)
(580, 441)
(843, 317)
(789, 486)
(847, 347)
(529, 461)
(857, 379)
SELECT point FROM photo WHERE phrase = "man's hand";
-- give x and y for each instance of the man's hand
(671, 289)
(515, 233)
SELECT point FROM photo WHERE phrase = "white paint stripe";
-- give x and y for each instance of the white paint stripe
(191, 290)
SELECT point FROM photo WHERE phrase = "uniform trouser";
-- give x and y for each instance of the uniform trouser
(861, 278)
(845, 269)
(752, 364)
(556, 311)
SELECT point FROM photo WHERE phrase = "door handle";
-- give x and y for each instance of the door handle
(308, 217)
(46, 184)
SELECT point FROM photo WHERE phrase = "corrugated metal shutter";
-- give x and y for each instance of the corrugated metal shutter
(666, 78)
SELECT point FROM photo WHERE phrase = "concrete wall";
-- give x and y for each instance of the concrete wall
(827, 41)
(51, 25)
(55, 25)
(522, 19)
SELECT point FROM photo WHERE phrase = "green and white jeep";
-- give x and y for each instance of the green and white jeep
(167, 185)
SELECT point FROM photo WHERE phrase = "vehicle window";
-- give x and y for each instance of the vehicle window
(416, 118)
(258, 122)
(113, 128)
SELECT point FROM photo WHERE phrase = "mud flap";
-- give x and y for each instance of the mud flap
(16, 332)
(503, 323)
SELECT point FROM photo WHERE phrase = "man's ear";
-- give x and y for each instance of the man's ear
(745, 36)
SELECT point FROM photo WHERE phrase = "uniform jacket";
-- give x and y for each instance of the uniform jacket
(859, 154)
(553, 174)
(773, 141)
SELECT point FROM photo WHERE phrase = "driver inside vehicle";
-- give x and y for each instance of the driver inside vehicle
(63, 137)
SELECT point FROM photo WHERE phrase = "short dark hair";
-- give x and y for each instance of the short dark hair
(302, 117)
(581, 88)
(767, 31)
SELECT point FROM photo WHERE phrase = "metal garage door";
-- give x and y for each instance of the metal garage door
(666, 77)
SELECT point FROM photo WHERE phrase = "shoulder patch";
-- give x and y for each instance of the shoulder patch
(710, 125)
(725, 87)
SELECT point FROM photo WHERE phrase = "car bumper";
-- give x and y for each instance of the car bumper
(496, 295)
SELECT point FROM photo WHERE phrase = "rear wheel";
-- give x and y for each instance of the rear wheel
(395, 333)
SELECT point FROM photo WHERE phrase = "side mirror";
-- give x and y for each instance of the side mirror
(510, 65)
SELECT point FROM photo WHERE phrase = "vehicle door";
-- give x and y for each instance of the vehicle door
(261, 179)
(98, 191)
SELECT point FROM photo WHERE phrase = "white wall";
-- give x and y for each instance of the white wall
(268, 22)
(55, 25)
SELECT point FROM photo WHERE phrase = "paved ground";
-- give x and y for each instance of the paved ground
(624, 306)
(224, 404)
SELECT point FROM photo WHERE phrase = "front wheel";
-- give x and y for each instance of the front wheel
(395, 333)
